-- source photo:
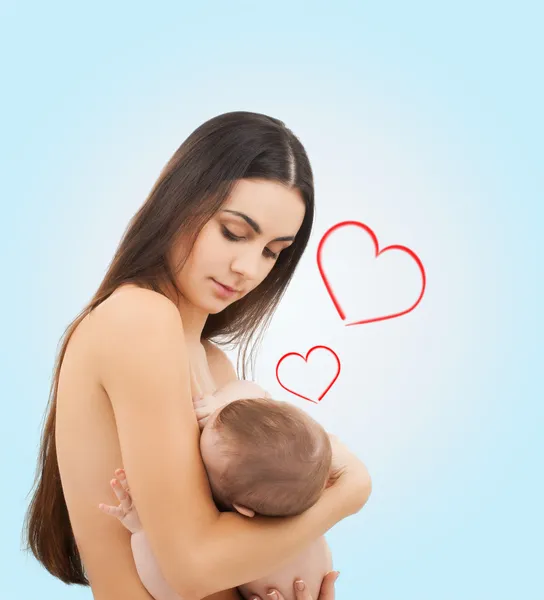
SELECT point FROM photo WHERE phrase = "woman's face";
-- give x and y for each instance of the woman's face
(240, 244)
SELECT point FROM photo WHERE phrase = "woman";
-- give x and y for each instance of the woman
(209, 254)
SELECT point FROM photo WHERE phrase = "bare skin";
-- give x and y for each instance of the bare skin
(84, 416)
(125, 397)
(311, 565)
(127, 514)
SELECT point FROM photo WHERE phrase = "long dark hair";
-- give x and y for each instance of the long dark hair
(191, 188)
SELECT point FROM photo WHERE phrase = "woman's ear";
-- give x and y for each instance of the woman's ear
(247, 512)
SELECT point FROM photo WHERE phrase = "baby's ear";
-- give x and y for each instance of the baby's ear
(333, 476)
(247, 512)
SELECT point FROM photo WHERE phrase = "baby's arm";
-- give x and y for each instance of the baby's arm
(311, 566)
(148, 569)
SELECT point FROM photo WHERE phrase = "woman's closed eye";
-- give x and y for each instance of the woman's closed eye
(236, 238)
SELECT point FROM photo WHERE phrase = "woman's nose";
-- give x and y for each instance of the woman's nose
(247, 264)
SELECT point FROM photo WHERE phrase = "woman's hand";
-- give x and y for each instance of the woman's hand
(125, 511)
(325, 593)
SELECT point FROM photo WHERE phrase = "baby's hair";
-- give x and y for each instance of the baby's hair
(279, 458)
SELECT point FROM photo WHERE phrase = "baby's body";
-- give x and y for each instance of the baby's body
(223, 447)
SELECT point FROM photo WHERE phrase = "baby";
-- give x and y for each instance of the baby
(262, 457)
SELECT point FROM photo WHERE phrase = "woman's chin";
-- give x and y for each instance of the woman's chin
(214, 306)
(215, 310)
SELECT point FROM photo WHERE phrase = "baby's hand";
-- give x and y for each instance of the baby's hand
(238, 390)
(206, 405)
(125, 511)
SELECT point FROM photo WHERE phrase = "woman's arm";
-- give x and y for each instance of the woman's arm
(142, 358)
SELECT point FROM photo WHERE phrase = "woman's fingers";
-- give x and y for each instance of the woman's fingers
(303, 593)
(300, 594)
(327, 586)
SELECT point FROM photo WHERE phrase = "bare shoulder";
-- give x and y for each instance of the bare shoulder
(134, 324)
(221, 366)
(130, 304)
(142, 365)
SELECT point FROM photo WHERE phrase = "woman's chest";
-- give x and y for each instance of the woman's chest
(202, 371)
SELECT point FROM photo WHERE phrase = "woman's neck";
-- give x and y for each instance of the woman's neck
(193, 320)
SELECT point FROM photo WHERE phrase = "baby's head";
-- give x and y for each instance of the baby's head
(266, 457)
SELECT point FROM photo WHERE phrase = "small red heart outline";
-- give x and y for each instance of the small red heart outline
(378, 252)
(306, 360)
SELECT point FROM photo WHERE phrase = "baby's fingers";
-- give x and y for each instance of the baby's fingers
(114, 511)
(122, 495)
(202, 423)
(199, 400)
(202, 414)
(122, 477)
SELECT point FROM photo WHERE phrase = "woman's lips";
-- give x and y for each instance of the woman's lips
(224, 290)
(227, 287)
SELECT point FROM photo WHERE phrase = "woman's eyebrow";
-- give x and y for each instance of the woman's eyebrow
(256, 228)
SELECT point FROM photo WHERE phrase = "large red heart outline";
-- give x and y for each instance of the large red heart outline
(378, 252)
(306, 360)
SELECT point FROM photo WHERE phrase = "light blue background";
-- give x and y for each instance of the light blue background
(422, 119)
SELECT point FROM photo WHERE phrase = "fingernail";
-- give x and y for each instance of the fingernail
(299, 585)
(337, 575)
(272, 594)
